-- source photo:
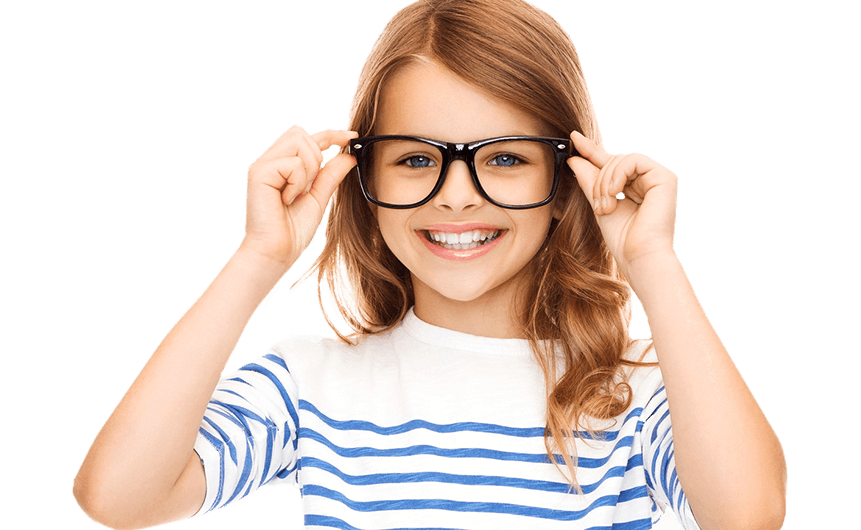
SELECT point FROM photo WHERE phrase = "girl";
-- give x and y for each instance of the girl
(481, 244)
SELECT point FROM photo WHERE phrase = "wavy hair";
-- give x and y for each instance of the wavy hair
(576, 296)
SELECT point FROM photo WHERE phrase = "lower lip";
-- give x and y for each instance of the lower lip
(460, 255)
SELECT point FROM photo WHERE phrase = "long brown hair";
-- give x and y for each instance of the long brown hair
(576, 295)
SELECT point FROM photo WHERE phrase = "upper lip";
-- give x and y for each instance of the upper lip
(459, 228)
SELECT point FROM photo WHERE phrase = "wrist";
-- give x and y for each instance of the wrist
(266, 260)
(259, 263)
(642, 271)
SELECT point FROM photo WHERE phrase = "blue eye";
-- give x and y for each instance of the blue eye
(504, 160)
(419, 161)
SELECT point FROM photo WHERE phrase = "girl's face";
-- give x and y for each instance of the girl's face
(462, 289)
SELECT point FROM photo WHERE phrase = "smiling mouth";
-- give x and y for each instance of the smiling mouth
(462, 241)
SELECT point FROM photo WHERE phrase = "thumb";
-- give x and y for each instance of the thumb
(585, 173)
(329, 177)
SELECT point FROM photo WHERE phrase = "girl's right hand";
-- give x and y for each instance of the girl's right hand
(288, 192)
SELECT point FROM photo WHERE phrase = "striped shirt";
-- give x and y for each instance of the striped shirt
(424, 427)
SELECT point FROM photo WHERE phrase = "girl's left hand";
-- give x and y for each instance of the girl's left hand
(639, 225)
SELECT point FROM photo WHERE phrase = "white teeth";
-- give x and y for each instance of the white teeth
(464, 240)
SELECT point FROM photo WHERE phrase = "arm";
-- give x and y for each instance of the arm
(730, 481)
(141, 470)
(728, 458)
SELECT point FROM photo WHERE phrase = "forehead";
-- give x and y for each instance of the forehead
(427, 100)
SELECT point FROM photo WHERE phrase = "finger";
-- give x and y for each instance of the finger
(326, 139)
(311, 157)
(289, 142)
(639, 173)
(590, 150)
(585, 173)
(282, 174)
(286, 145)
(272, 173)
(330, 176)
(295, 182)
(605, 199)
(596, 182)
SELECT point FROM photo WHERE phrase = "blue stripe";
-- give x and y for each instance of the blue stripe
(466, 452)
(243, 414)
(357, 425)
(681, 496)
(333, 522)
(224, 436)
(460, 506)
(288, 402)
(667, 472)
(479, 480)
(658, 399)
(659, 453)
(657, 426)
(246, 472)
(239, 380)
(219, 446)
(284, 473)
(639, 524)
(519, 432)
(663, 458)
(277, 360)
(636, 460)
(634, 493)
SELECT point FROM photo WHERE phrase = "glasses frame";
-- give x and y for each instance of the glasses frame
(459, 151)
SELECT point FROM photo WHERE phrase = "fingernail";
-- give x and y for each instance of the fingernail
(603, 204)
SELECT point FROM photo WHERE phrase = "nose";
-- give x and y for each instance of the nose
(458, 191)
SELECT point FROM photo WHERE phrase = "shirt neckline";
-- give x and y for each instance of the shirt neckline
(457, 340)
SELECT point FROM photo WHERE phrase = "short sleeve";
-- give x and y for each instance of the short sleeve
(659, 460)
(248, 436)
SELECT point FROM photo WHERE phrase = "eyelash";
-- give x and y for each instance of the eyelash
(407, 161)
(514, 159)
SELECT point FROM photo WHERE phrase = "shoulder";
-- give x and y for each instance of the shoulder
(343, 380)
(313, 347)
(641, 351)
(302, 351)
(313, 356)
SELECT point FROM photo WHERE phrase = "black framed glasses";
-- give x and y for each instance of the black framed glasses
(516, 172)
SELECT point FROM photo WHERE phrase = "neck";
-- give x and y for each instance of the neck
(490, 315)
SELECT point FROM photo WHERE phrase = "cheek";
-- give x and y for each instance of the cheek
(392, 229)
(538, 229)
(538, 223)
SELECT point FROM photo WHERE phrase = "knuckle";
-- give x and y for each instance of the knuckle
(253, 169)
(294, 132)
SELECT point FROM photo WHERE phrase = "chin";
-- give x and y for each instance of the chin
(470, 292)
